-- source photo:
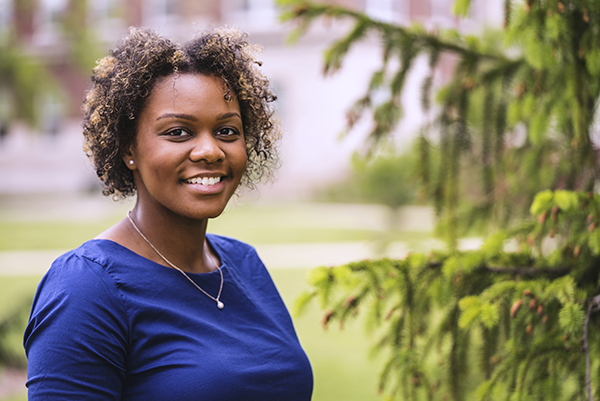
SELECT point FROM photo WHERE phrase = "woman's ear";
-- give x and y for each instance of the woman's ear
(129, 159)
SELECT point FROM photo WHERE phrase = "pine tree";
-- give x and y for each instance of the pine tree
(516, 319)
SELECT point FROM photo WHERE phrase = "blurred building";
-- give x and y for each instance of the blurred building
(312, 107)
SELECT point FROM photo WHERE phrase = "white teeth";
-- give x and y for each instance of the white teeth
(204, 180)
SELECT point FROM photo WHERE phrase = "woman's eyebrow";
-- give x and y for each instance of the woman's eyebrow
(177, 115)
(193, 118)
(229, 115)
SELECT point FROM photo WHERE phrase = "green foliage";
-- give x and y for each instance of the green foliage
(461, 7)
(22, 80)
(15, 300)
(488, 324)
(11, 332)
(515, 117)
(25, 78)
(82, 44)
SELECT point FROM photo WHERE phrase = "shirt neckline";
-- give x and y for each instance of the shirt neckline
(209, 238)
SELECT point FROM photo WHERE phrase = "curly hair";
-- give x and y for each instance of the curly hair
(123, 81)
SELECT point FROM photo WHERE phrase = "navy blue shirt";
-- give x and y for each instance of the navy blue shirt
(109, 324)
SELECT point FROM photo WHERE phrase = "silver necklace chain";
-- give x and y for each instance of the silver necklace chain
(220, 304)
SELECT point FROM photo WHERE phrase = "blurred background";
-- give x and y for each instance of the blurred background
(326, 206)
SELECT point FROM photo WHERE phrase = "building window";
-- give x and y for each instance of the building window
(51, 112)
(107, 17)
(252, 13)
(160, 15)
(6, 16)
(47, 20)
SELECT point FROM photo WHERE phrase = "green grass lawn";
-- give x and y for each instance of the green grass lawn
(17, 397)
(66, 235)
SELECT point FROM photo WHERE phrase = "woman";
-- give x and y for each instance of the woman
(154, 308)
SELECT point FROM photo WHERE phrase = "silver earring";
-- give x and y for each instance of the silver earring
(131, 162)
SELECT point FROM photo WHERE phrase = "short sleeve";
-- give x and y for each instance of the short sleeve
(77, 336)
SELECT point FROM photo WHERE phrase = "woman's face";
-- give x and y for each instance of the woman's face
(190, 152)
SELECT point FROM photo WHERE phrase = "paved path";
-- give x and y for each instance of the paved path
(275, 256)
(305, 255)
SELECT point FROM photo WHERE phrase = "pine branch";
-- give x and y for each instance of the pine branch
(554, 272)
(530, 271)
(308, 10)
(594, 306)
(531, 358)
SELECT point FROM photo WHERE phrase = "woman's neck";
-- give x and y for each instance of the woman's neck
(180, 240)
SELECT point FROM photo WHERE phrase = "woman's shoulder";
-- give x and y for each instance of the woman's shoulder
(95, 258)
(96, 251)
(77, 280)
(74, 259)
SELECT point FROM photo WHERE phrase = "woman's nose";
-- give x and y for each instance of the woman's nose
(206, 148)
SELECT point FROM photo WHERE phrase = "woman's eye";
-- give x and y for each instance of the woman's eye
(177, 133)
(227, 132)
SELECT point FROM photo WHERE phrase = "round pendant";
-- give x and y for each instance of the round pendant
(220, 305)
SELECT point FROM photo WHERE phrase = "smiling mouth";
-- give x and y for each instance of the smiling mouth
(208, 181)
